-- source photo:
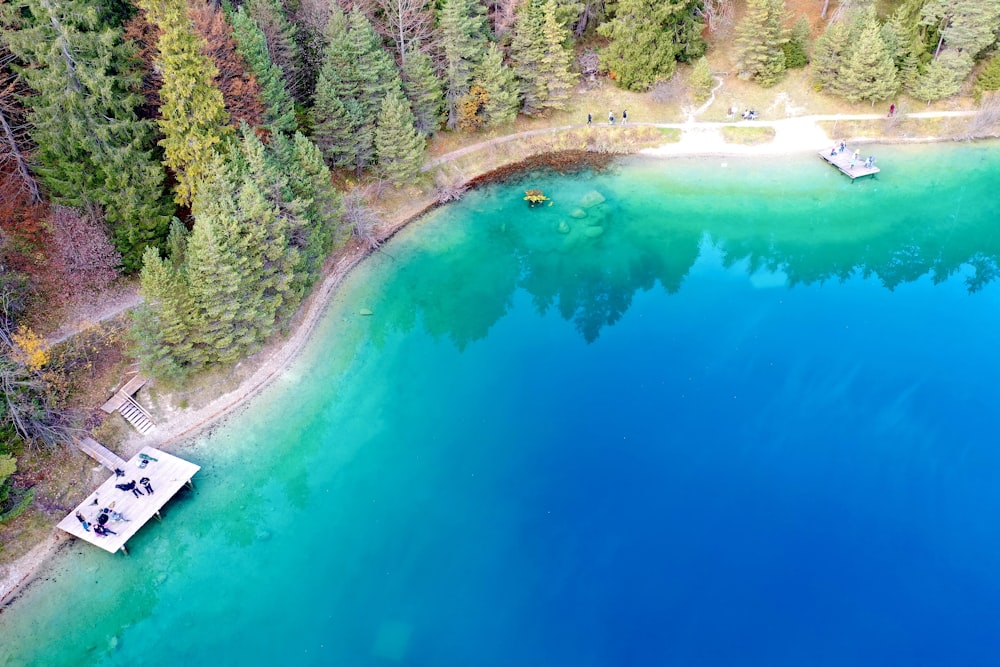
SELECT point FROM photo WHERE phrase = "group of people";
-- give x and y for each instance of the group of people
(611, 117)
(842, 146)
(131, 486)
(101, 525)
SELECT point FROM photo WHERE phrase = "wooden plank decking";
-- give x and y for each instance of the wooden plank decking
(842, 161)
(101, 454)
(166, 473)
(123, 394)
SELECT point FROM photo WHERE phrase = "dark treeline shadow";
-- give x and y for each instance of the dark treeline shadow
(588, 268)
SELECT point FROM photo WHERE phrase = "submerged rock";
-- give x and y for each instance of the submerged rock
(593, 232)
(563, 227)
(591, 199)
(578, 213)
(365, 312)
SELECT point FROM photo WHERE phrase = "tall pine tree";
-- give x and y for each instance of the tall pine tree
(423, 90)
(462, 32)
(760, 37)
(497, 81)
(280, 112)
(869, 73)
(400, 146)
(193, 117)
(557, 61)
(642, 48)
(527, 51)
(91, 146)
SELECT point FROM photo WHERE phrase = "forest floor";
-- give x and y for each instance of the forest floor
(181, 414)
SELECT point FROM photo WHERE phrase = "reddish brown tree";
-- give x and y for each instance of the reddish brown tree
(15, 145)
(144, 35)
(240, 91)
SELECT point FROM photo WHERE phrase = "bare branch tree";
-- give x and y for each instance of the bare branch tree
(408, 23)
(15, 146)
(362, 219)
(717, 13)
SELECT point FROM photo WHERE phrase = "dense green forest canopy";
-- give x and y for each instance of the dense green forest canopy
(196, 143)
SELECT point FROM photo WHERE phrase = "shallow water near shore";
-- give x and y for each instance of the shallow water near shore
(741, 411)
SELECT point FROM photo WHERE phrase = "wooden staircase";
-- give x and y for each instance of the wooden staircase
(135, 415)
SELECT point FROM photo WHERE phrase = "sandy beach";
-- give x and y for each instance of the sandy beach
(791, 135)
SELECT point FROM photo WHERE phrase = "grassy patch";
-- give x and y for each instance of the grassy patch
(671, 135)
(747, 136)
(891, 128)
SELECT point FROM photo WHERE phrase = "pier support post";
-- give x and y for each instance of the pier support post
(158, 517)
(124, 550)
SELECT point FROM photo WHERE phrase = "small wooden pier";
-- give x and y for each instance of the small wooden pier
(848, 163)
(166, 475)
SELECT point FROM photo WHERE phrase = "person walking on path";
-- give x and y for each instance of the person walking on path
(892, 110)
(611, 117)
(589, 119)
(624, 116)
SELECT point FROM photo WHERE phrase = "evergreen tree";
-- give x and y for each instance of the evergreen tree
(321, 207)
(904, 42)
(527, 51)
(760, 37)
(462, 31)
(399, 145)
(557, 60)
(423, 90)
(193, 117)
(357, 75)
(161, 325)
(830, 54)
(497, 80)
(701, 80)
(91, 146)
(241, 93)
(869, 73)
(642, 49)
(280, 113)
(943, 77)
(988, 78)
(282, 44)
(796, 48)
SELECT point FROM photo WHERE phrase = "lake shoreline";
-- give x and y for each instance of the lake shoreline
(179, 430)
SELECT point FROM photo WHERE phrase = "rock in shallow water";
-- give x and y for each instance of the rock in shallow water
(591, 199)
(578, 213)
(563, 227)
(593, 232)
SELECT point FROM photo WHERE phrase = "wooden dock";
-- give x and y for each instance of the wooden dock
(166, 473)
(842, 160)
(101, 454)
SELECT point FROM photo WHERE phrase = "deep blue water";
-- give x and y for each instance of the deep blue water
(751, 421)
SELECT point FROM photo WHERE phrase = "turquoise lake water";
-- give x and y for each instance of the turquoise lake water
(752, 420)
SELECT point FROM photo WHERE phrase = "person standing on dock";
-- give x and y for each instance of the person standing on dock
(146, 485)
